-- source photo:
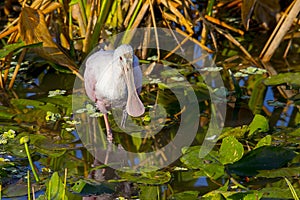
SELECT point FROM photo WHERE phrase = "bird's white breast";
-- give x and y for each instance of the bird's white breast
(107, 76)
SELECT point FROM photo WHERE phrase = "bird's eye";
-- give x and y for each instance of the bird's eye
(121, 58)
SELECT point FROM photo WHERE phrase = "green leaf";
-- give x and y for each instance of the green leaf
(34, 104)
(292, 189)
(14, 47)
(6, 113)
(149, 192)
(282, 172)
(64, 102)
(278, 193)
(18, 189)
(282, 78)
(186, 195)
(209, 165)
(262, 158)
(92, 187)
(266, 141)
(10, 48)
(47, 146)
(212, 170)
(237, 132)
(56, 187)
(231, 150)
(152, 177)
(15, 148)
(258, 95)
(259, 123)
(230, 195)
(246, 195)
(31, 116)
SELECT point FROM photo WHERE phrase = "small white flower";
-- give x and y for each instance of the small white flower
(73, 122)
(253, 70)
(96, 114)
(211, 69)
(240, 75)
(175, 78)
(82, 110)
(155, 81)
(70, 129)
(56, 92)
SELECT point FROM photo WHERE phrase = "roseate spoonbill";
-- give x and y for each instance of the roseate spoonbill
(113, 79)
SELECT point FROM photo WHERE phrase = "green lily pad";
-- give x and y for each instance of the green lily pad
(18, 189)
(284, 78)
(15, 148)
(64, 102)
(47, 146)
(208, 166)
(220, 195)
(34, 104)
(282, 172)
(262, 158)
(186, 195)
(212, 170)
(92, 187)
(278, 193)
(246, 195)
(152, 177)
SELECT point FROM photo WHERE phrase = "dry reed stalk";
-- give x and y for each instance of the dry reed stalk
(168, 16)
(235, 42)
(280, 31)
(130, 13)
(223, 24)
(155, 30)
(194, 40)
(178, 46)
(21, 57)
(89, 27)
(182, 20)
(140, 16)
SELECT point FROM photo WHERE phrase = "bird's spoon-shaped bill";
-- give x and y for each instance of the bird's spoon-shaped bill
(134, 106)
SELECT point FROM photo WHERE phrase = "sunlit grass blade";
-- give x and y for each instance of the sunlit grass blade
(105, 9)
(136, 18)
(65, 183)
(28, 185)
(292, 189)
(82, 7)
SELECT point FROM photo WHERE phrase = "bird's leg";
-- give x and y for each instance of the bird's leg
(102, 108)
(109, 139)
(108, 128)
(109, 136)
(124, 118)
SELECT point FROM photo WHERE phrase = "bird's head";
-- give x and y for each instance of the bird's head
(124, 57)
